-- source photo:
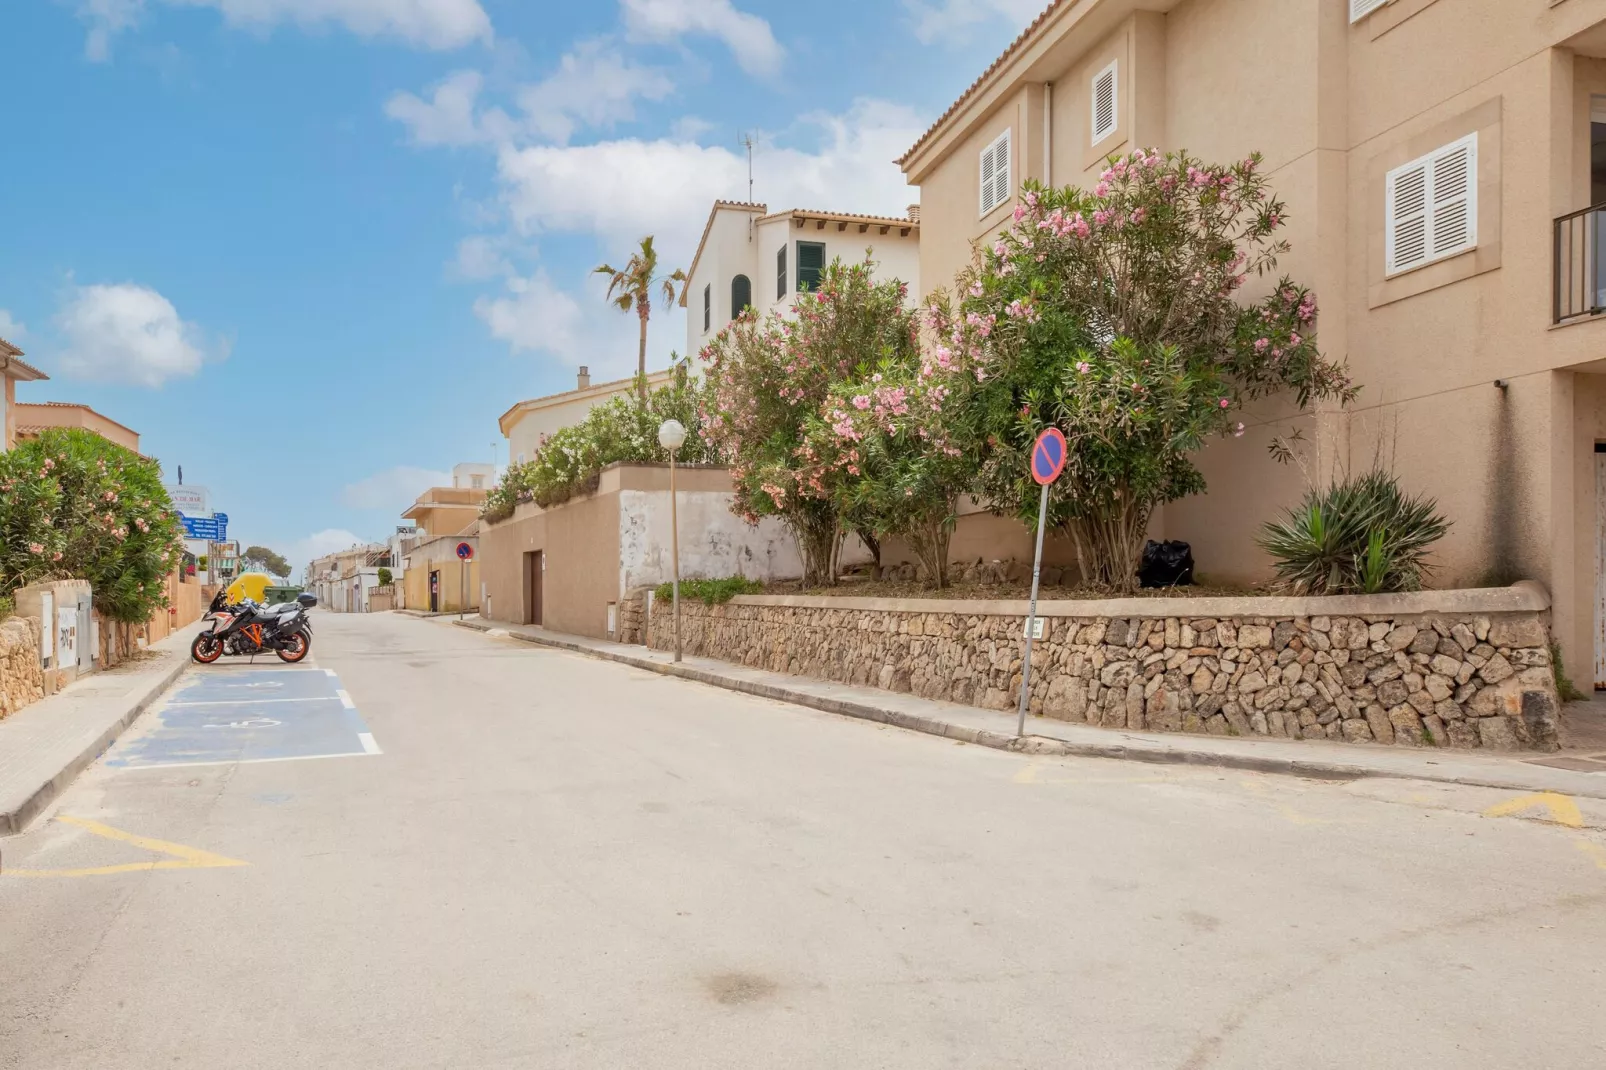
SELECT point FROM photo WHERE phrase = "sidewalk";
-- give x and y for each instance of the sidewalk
(989, 728)
(43, 747)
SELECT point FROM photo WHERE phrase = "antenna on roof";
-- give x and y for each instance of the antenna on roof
(746, 141)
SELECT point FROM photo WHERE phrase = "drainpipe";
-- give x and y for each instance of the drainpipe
(1048, 134)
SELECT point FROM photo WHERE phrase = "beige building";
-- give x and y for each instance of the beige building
(34, 417)
(530, 423)
(1439, 159)
(14, 370)
(749, 256)
(436, 580)
(450, 510)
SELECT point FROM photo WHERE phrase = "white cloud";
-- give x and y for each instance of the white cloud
(449, 117)
(625, 188)
(747, 36)
(593, 85)
(954, 20)
(328, 541)
(534, 315)
(129, 334)
(437, 24)
(11, 329)
(393, 489)
(481, 256)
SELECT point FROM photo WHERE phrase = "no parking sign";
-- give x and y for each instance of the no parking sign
(1048, 461)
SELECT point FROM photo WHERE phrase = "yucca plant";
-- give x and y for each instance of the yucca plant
(1359, 535)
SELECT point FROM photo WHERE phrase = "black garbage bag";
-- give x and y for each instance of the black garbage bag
(1166, 564)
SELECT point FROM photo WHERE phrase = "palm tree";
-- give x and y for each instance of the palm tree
(631, 288)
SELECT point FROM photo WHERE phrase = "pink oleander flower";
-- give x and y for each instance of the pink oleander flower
(1139, 214)
(1101, 190)
(861, 402)
(1261, 344)
(1101, 217)
(1293, 338)
(1225, 403)
(1083, 366)
(36, 548)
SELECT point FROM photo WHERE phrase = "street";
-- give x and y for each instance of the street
(535, 859)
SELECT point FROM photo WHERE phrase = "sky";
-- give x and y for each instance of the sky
(312, 249)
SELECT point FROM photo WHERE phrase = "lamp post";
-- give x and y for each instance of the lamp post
(671, 436)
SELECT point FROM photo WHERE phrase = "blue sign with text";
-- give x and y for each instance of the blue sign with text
(214, 528)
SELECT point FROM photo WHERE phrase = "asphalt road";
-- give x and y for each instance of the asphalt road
(538, 860)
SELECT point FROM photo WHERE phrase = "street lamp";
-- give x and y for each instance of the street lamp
(671, 436)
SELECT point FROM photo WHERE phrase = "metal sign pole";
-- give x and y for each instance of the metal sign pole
(1031, 613)
(462, 588)
(674, 542)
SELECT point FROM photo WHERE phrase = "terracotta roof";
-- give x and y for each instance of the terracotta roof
(992, 68)
(73, 405)
(18, 369)
(610, 387)
(741, 206)
(8, 349)
(855, 217)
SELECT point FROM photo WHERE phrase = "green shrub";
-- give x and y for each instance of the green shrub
(1361, 535)
(384, 577)
(7, 606)
(710, 592)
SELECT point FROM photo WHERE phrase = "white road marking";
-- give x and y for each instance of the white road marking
(345, 699)
(255, 701)
(331, 672)
(368, 744)
(246, 761)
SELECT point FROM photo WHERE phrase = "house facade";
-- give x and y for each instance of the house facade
(1441, 160)
(35, 417)
(530, 423)
(749, 256)
(13, 370)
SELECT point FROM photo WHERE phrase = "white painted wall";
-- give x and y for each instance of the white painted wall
(729, 252)
(531, 427)
(714, 543)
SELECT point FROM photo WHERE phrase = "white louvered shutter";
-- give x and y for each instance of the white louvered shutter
(995, 184)
(1453, 217)
(1432, 206)
(987, 174)
(1359, 9)
(1104, 103)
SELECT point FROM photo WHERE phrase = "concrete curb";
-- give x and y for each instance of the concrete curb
(1168, 753)
(18, 819)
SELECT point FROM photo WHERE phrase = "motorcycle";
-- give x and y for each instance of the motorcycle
(246, 629)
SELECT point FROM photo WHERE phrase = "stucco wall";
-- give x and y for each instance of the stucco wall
(456, 592)
(579, 541)
(714, 542)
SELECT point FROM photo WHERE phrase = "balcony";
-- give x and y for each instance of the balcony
(1579, 286)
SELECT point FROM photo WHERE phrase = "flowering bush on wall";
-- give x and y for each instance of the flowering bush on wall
(768, 382)
(621, 430)
(1117, 314)
(73, 505)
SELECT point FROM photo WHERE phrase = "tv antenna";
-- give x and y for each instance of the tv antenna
(746, 141)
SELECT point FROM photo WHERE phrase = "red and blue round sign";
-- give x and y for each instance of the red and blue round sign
(1048, 456)
(465, 552)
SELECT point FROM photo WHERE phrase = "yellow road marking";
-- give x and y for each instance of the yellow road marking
(1563, 811)
(1594, 851)
(180, 856)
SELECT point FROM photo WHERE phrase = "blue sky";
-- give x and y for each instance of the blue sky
(311, 249)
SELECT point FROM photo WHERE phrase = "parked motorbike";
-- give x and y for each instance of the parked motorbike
(245, 629)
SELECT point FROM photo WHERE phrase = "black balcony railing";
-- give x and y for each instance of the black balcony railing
(1579, 285)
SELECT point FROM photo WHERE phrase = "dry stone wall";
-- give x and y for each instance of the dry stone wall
(1459, 677)
(21, 676)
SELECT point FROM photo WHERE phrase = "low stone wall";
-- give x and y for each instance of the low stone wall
(21, 676)
(1436, 668)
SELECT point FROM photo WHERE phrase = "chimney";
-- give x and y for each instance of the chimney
(914, 213)
(584, 377)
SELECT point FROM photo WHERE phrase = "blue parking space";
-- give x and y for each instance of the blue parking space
(251, 715)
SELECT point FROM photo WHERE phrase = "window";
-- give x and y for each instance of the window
(1359, 9)
(741, 295)
(1432, 207)
(780, 273)
(708, 306)
(477, 483)
(995, 185)
(1105, 102)
(810, 264)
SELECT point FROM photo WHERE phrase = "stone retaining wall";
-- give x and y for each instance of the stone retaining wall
(1451, 668)
(21, 676)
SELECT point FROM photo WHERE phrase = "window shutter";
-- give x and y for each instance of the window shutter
(995, 184)
(1432, 207)
(988, 169)
(780, 273)
(1359, 9)
(810, 264)
(1104, 103)
(708, 306)
(1454, 220)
